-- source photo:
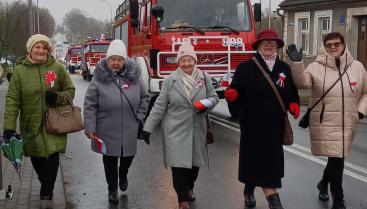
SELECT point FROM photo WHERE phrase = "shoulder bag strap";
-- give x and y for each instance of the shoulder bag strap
(272, 86)
(322, 97)
(208, 123)
(128, 101)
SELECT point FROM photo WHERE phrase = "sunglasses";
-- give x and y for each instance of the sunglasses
(335, 44)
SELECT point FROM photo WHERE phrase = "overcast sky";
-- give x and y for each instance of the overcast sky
(100, 10)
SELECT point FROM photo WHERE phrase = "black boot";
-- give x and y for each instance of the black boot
(322, 186)
(113, 197)
(123, 185)
(274, 201)
(250, 201)
(338, 202)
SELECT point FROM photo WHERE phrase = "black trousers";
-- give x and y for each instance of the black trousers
(113, 172)
(46, 169)
(333, 173)
(183, 181)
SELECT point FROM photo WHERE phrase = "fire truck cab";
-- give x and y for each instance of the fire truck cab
(92, 52)
(220, 31)
(73, 58)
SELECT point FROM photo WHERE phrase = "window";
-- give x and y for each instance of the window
(302, 31)
(322, 27)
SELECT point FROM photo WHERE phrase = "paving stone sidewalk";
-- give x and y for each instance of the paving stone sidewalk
(27, 188)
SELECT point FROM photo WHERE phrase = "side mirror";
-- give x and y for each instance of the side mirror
(134, 13)
(257, 12)
(134, 9)
(157, 12)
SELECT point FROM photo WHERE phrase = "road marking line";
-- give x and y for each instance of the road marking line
(292, 149)
(350, 165)
(322, 162)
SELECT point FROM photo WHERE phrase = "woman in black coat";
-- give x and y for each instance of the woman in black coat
(261, 159)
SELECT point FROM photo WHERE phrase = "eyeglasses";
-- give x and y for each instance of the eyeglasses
(269, 43)
(335, 44)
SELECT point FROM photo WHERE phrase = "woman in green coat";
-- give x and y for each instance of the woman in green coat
(38, 81)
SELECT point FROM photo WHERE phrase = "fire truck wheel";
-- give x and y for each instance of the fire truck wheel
(89, 76)
(72, 69)
(84, 74)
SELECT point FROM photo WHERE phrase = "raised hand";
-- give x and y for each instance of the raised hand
(293, 53)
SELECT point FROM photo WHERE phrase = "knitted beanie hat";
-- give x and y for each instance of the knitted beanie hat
(117, 48)
(186, 49)
(37, 38)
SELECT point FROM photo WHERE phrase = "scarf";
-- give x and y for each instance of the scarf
(34, 62)
(270, 62)
(188, 81)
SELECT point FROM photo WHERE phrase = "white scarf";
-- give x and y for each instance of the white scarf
(188, 81)
(270, 62)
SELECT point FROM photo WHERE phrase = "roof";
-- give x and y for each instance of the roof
(292, 3)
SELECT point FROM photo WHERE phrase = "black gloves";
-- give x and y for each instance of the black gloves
(51, 97)
(9, 133)
(8, 76)
(145, 136)
(293, 54)
(360, 115)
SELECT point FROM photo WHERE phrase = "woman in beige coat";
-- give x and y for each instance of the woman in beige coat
(333, 120)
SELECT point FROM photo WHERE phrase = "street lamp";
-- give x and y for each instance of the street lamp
(109, 4)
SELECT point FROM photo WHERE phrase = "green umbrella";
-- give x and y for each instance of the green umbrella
(13, 150)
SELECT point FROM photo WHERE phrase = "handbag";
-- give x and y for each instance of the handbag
(209, 133)
(305, 120)
(288, 132)
(64, 119)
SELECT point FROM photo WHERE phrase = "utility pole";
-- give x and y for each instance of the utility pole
(269, 14)
(30, 16)
(38, 18)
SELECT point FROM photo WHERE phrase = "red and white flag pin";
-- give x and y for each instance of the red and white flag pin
(50, 78)
(281, 80)
(353, 85)
(125, 85)
(199, 84)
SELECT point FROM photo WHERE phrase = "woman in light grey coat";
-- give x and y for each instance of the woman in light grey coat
(185, 96)
(108, 116)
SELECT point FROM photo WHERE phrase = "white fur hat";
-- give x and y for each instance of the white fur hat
(186, 49)
(37, 38)
(117, 48)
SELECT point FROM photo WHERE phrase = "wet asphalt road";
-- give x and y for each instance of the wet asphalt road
(217, 187)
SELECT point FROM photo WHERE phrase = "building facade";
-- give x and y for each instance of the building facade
(306, 22)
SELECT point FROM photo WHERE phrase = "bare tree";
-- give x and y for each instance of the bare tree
(14, 30)
(79, 27)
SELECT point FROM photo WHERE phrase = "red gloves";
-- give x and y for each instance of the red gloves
(225, 82)
(294, 109)
(203, 104)
(231, 95)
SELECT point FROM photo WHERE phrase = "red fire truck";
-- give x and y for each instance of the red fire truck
(221, 32)
(73, 58)
(93, 51)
